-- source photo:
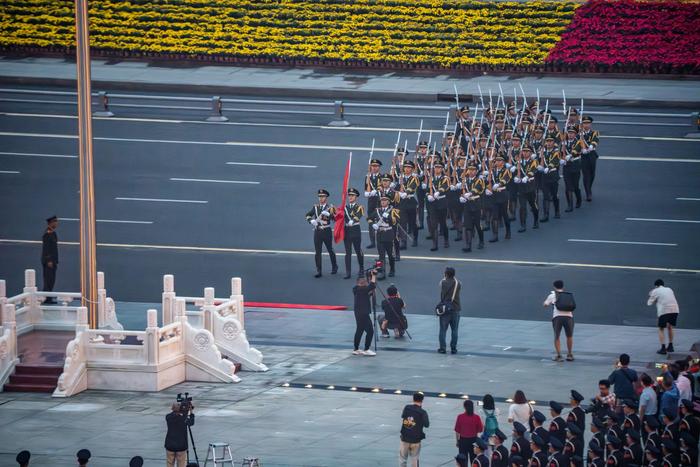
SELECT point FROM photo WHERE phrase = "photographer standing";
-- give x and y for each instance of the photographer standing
(363, 324)
(176, 438)
(449, 294)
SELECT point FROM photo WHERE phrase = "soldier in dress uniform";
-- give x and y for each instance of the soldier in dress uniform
(589, 151)
(462, 127)
(689, 422)
(573, 446)
(653, 456)
(408, 185)
(517, 461)
(557, 458)
(520, 446)
(515, 146)
(670, 425)
(595, 455)
(320, 216)
(689, 448)
(438, 186)
(557, 427)
(598, 429)
(631, 421)
(539, 456)
(524, 178)
(614, 447)
(549, 167)
(386, 188)
(653, 438)
(421, 170)
(613, 423)
(372, 184)
(669, 451)
(480, 448)
(537, 419)
(472, 190)
(632, 453)
(383, 220)
(49, 255)
(498, 179)
(577, 416)
(571, 150)
(354, 211)
(499, 455)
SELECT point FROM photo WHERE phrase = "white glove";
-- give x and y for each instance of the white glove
(568, 157)
(403, 195)
(533, 157)
(540, 168)
(314, 222)
(423, 185)
(468, 194)
(496, 186)
(351, 223)
(516, 179)
(459, 185)
(525, 180)
(546, 170)
(512, 169)
(489, 192)
(591, 148)
(385, 215)
(431, 198)
(562, 162)
(367, 194)
(375, 226)
(373, 193)
(325, 213)
(462, 199)
(392, 185)
(584, 150)
(485, 173)
(453, 188)
(508, 165)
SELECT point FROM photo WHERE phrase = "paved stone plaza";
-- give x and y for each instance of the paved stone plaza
(296, 426)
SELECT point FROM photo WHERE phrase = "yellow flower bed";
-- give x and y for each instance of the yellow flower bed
(446, 33)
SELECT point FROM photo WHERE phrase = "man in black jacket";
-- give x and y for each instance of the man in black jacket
(176, 438)
(413, 420)
(449, 292)
(49, 255)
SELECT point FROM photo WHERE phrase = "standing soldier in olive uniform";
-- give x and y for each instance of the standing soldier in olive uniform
(408, 190)
(472, 190)
(453, 205)
(589, 138)
(524, 177)
(382, 221)
(500, 176)
(320, 217)
(510, 156)
(386, 189)
(571, 148)
(49, 255)
(372, 182)
(421, 170)
(438, 186)
(353, 234)
(550, 178)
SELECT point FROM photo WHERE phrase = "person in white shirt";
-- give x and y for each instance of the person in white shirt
(561, 319)
(520, 410)
(666, 311)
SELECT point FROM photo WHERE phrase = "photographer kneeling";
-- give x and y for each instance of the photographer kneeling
(363, 323)
(394, 317)
(176, 439)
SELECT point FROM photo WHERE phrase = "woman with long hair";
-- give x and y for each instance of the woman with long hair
(520, 410)
(468, 426)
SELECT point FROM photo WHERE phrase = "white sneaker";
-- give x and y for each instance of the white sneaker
(369, 353)
(358, 352)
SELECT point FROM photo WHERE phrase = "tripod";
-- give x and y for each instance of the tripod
(374, 304)
(194, 448)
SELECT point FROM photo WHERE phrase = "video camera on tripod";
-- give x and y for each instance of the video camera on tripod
(185, 403)
(377, 268)
(186, 408)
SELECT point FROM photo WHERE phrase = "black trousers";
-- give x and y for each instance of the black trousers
(572, 185)
(588, 163)
(550, 190)
(472, 220)
(438, 218)
(456, 215)
(528, 198)
(385, 248)
(324, 237)
(363, 324)
(372, 205)
(499, 211)
(49, 277)
(420, 195)
(353, 240)
(408, 223)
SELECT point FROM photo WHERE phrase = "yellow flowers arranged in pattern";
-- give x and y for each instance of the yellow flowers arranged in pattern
(446, 33)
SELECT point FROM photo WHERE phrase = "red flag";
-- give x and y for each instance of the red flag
(339, 227)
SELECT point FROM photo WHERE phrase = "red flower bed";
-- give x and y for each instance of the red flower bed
(653, 37)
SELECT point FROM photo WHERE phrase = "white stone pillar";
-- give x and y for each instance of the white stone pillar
(237, 295)
(168, 299)
(82, 320)
(9, 322)
(180, 308)
(208, 308)
(33, 302)
(3, 299)
(101, 299)
(152, 341)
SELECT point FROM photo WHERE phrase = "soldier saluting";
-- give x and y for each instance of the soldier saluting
(49, 255)
(320, 217)
(353, 235)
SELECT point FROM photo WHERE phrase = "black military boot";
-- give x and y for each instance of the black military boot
(578, 198)
(334, 269)
(494, 230)
(446, 243)
(467, 242)
(545, 208)
(318, 273)
(435, 243)
(403, 245)
(415, 239)
(523, 223)
(569, 202)
(507, 237)
(556, 209)
(347, 274)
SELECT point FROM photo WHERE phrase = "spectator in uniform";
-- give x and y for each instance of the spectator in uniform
(666, 311)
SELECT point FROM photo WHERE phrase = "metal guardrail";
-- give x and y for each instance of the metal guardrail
(336, 109)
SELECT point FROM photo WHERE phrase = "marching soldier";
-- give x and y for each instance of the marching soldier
(527, 187)
(510, 156)
(453, 205)
(571, 149)
(382, 221)
(353, 234)
(320, 217)
(386, 189)
(372, 182)
(472, 190)
(520, 446)
(499, 178)
(421, 169)
(408, 204)
(589, 138)
(549, 166)
(438, 186)
(49, 256)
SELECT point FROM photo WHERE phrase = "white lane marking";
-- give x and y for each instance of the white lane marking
(33, 154)
(642, 219)
(9, 172)
(107, 221)
(159, 200)
(261, 164)
(73, 117)
(621, 242)
(687, 199)
(205, 180)
(648, 159)
(652, 138)
(410, 257)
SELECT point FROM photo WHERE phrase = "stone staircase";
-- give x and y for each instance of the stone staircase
(34, 378)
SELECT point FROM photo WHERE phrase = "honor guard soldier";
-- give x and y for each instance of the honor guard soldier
(669, 430)
(499, 178)
(480, 448)
(49, 255)
(539, 456)
(668, 451)
(631, 421)
(689, 449)
(589, 151)
(557, 458)
(538, 419)
(499, 456)
(573, 446)
(557, 427)
(372, 183)
(462, 126)
(689, 422)
(517, 461)
(653, 457)
(549, 166)
(595, 455)
(598, 430)
(421, 170)
(553, 130)
(382, 221)
(510, 157)
(613, 424)
(653, 438)
(408, 204)
(577, 416)
(453, 205)
(320, 217)
(632, 454)
(472, 190)
(571, 151)
(525, 180)
(520, 446)
(386, 189)
(438, 186)
(353, 234)
(614, 448)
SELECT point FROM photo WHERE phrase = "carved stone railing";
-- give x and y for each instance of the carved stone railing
(8, 343)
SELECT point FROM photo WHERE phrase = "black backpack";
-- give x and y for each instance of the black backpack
(565, 301)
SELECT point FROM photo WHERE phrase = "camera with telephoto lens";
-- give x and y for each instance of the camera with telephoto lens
(597, 407)
(185, 403)
(378, 268)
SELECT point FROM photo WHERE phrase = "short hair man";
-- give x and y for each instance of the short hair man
(449, 292)
(647, 399)
(413, 420)
(561, 319)
(23, 458)
(605, 396)
(176, 438)
(666, 311)
(83, 457)
(623, 378)
(49, 255)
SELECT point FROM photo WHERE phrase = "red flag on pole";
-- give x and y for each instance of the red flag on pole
(339, 227)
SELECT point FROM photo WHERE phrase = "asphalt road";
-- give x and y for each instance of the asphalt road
(256, 229)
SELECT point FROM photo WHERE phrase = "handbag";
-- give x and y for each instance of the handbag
(447, 307)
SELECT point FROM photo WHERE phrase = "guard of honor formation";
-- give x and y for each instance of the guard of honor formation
(619, 439)
(492, 166)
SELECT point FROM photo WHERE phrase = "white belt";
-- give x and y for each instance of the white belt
(321, 227)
